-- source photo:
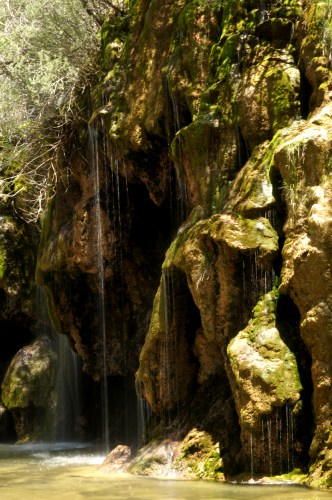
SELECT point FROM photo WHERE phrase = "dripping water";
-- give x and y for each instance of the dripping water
(256, 280)
(65, 415)
(118, 184)
(168, 349)
(251, 456)
(95, 167)
(276, 444)
(144, 412)
(263, 14)
(289, 436)
(68, 389)
(269, 441)
(178, 194)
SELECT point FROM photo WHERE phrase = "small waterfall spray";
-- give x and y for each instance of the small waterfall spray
(95, 167)
(67, 409)
(251, 456)
(68, 389)
(263, 14)
(143, 414)
(179, 198)
(270, 449)
(168, 369)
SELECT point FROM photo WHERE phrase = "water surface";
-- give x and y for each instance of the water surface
(64, 471)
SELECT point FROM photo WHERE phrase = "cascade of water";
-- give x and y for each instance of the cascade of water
(269, 441)
(251, 456)
(165, 359)
(95, 168)
(120, 205)
(289, 436)
(263, 14)
(143, 414)
(276, 443)
(180, 194)
(65, 415)
(168, 348)
(68, 390)
(279, 440)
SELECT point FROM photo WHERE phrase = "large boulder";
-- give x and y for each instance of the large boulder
(28, 389)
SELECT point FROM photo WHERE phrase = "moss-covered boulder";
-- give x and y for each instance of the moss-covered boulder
(28, 389)
(264, 369)
(195, 456)
(199, 457)
(265, 379)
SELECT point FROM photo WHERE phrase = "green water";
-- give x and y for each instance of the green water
(40, 472)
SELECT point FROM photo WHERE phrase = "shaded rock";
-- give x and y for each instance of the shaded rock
(28, 389)
(199, 457)
(17, 291)
(7, 431)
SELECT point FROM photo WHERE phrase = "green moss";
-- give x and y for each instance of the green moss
(30, 377)
(147, 465)
(200, 455)
(295, 476)
(17, 262)
(283, 103)
(264, 370)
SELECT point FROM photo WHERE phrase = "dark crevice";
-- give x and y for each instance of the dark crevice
(305, 94)
(243, 150)
(280, 215)
(288, 324)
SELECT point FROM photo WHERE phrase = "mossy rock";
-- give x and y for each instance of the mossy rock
(17, 262)
(263, 371)
(30, 377)
(154, 459)
(199, 456)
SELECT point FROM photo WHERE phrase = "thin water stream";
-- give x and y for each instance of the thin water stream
(68, 470)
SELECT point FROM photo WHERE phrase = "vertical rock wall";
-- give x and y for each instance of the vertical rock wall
(210, 133)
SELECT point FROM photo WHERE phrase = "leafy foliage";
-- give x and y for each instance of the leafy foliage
(48, 52)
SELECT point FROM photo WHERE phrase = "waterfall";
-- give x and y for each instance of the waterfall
(111, 218)
(168, 347)
(68, 391)
(270, 450)
(95, 167)
(256, 281)
(64, 417)
(179, 195)
(263, 14)
(144, 412)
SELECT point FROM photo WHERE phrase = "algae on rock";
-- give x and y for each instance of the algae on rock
(28, 389)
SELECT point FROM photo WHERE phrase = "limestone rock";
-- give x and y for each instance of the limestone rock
(118, 460)
(28, 388)
(265, 372)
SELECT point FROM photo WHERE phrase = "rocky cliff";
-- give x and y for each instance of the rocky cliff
(190, 245)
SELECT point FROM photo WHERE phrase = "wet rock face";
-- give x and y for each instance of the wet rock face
(94, 256)
(17, 296)
(204, 244)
